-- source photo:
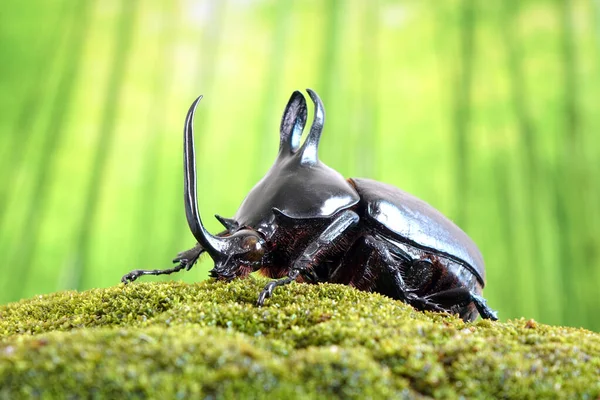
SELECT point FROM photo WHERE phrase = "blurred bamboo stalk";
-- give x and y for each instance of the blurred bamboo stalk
(122, 44)
(274, 78)
(207, 53)
(567, 180)
(31, 108)
(529, 160)
(327, 73)
(22, 255)
(462, 109)
(151, 148)
(367, 139)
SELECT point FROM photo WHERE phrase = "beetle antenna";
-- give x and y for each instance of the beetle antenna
(212, 244)
(292, 124)
(310, 147)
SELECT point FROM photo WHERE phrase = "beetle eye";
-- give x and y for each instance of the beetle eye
(249, 242)
(254, 248)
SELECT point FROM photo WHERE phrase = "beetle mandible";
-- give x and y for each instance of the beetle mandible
(303, 221)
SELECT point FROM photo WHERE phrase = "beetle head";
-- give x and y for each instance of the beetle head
(244, 254)
(236, 254)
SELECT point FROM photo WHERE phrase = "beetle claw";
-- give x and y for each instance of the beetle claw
(484, 310)
(269, 287)
(130, 277)
(263, 296)
(266, 292)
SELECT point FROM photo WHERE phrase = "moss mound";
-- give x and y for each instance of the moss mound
(209, 340)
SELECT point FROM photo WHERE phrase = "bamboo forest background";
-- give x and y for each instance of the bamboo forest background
(488, 110)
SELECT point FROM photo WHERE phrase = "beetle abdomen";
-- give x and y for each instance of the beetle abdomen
(413, 221)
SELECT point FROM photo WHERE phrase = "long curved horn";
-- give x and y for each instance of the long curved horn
(212, 244)
(292, 124)
(309, 150)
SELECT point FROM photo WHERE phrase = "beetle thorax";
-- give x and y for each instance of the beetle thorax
(299, 191)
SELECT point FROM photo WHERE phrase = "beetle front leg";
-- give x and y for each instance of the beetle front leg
(268, 290)
(320, 247)
(186, 260)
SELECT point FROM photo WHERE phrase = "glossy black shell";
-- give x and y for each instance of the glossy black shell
(299, 191)
(413, 221)
(298, 184)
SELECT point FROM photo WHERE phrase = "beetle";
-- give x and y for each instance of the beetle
(303, 221)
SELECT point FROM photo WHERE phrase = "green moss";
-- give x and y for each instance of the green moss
(166, 340)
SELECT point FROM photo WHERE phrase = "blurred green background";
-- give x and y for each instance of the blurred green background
(488, 110)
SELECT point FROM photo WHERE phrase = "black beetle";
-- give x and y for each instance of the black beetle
(304, 221)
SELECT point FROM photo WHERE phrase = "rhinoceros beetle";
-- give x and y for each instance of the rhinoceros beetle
(303, 221)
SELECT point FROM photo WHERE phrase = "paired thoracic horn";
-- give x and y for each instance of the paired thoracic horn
(292, 125)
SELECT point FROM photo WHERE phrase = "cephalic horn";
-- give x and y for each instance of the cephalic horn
(214, 245)
(309, 150)
(292, 124)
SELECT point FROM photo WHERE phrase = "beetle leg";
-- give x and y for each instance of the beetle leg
(392, 266)
(484, 310)
(315, 250)
(460, 297)
(136, 273)
(326, 240)
(422, 303)
(186, 259)
(268, 290)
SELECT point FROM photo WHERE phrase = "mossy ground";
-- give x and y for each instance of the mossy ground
(209, 340)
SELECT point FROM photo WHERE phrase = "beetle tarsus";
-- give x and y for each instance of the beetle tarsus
(269, 287)
(185, 259)
(484, 310)
(133, 275)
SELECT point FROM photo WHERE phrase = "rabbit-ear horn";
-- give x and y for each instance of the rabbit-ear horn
(309, 150)
(292, 124)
